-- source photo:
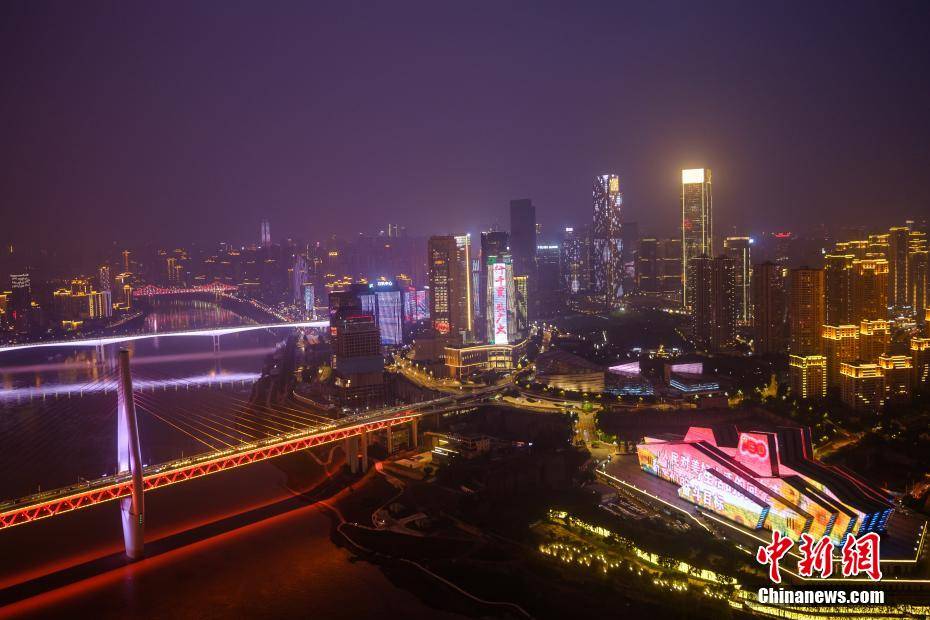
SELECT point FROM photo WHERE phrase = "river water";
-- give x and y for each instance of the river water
(240, 543)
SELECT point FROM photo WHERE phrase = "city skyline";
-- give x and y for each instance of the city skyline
(294, 156)
(486, 310)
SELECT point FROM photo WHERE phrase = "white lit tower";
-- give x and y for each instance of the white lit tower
(265, 234)
(697, 228)
(607, 246)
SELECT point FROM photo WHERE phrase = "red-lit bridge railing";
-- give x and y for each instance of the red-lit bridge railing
(60, 501)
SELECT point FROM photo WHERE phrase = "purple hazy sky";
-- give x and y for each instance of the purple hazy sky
(173, 121)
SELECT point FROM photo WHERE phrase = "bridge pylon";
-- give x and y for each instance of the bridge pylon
(129, 459)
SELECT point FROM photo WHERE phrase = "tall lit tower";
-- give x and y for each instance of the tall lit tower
(265, 238)
(898, 238)
(737, 248)
(450, 284)
(607, 246)
(697, 227)
(806, 314)
(104, 279)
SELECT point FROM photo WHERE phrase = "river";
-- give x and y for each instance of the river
(241, 543)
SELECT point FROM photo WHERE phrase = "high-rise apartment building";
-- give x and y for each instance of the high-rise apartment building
(805, 310)
(898, 375)
(738, 249)
(606, 240)
(840, 346)
(357, 361)
(450, 285)
(920, 361)
(838, 288)
(697, 223)
(869, 298)
(769, 308)
(808, 375)
(862, 386)
(874, 339)
(898, 242)
(917, 272)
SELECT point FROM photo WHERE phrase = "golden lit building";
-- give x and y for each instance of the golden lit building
(862, 386)
(920, 361)
(917, 272)
(874, 339)
(805, 310)
(858, 248)
(450, 285)
(897, 371)
(808, 375)
(840, 345)
(78, 304)
(869, 289)
(464, 361)
(898, 240)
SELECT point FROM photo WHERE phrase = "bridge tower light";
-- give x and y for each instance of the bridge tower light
(129, 459)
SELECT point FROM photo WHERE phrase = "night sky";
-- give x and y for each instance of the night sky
(173, 121)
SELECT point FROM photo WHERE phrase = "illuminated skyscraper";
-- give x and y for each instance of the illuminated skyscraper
(300, 274)
(715, 304)
(493, 243)
(738, 248)
(898, 238)
(450, 284)
(606, 241)
(501, 309)
(658, 268)
(697, 227)
(574, 261)
(265, 235)
(838, 288)
(769, 308)
(840, 345)
(805, 310)
(21, 289)
(523, 238)
(917, 272)
(104, 278)
(549, 279)
(808, 375)
(869, 289)
(521, 302)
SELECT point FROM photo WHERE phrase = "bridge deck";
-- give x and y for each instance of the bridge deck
(59, 501)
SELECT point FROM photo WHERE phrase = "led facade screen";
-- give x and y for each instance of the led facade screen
(499, 279)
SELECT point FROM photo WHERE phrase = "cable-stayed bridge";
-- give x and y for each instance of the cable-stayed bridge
(231, 431)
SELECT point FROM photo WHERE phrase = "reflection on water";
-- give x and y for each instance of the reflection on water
(57, 425)
(170, 315)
